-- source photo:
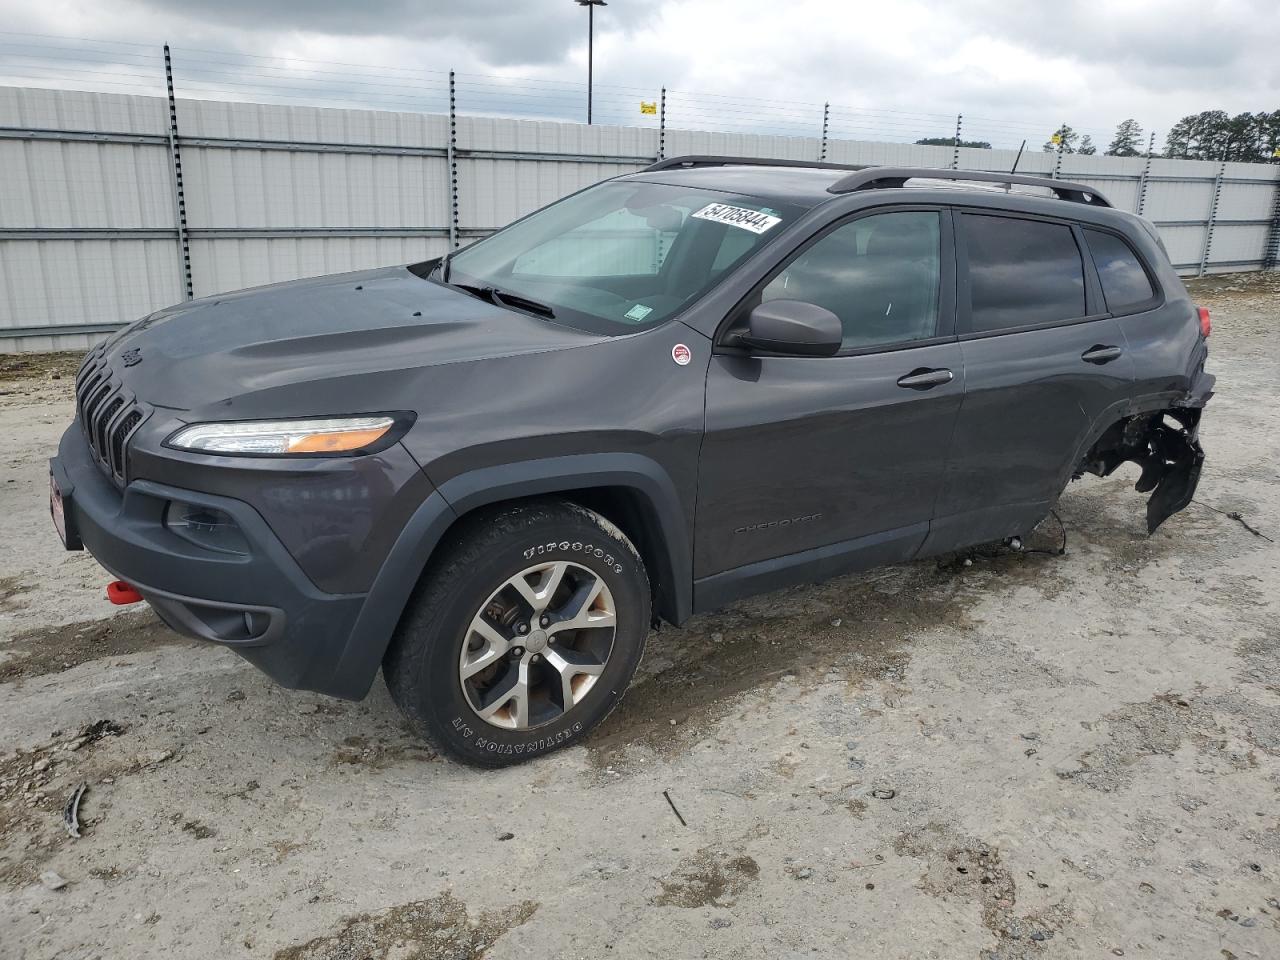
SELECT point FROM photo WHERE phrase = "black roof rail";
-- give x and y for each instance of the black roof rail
(697, 160)
(876, 178)
(867, 177)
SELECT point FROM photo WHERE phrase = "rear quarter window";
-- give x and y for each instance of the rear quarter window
(1021, 273)
(1126, 285)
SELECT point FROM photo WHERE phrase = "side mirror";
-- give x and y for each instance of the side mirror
(794, 327)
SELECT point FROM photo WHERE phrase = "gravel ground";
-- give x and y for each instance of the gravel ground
(1015, 756)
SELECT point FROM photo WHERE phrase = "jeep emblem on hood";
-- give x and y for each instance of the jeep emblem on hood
(131, 357)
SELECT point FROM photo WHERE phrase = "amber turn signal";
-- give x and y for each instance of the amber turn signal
(343, 442)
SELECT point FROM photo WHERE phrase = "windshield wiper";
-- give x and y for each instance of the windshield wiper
(500, 298)
(484, 293)
(523, 303)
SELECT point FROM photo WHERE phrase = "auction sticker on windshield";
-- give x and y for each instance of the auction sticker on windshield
(743, 217)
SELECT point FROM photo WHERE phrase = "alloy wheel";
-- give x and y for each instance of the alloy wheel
(538, 645)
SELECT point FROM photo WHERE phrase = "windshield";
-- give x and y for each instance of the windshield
(617, 256)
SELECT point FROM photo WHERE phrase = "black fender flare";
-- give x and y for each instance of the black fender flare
(362, 656)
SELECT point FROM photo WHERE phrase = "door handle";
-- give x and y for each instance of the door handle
(925, 378)
(1100, 354)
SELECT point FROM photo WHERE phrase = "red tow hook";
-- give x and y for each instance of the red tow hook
(120, 593)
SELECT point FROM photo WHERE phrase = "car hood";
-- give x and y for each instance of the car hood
(346, 327)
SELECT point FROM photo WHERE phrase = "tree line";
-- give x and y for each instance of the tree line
(1208, 135)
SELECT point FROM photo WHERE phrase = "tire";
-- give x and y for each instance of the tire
(485, 586)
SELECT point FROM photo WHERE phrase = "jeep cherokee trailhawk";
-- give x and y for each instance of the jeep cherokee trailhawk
(489, 474)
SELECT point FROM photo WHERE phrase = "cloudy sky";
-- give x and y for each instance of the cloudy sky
(893, 71)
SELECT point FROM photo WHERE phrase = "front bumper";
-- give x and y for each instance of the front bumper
(257, 600)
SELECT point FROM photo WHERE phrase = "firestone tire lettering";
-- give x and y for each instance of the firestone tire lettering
(575, 547)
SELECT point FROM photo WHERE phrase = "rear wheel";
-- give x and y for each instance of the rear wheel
(523, 636)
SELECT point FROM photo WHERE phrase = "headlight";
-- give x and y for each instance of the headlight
(332, 435)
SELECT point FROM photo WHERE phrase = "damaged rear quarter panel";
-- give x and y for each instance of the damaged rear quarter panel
(1160, 432)
(1165, 445)
(1166, 347)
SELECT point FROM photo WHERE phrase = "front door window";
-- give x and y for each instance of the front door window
(878, 274)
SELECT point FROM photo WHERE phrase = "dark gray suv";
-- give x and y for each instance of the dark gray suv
(490, 474)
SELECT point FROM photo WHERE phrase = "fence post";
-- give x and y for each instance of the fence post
(1057, 159)
(1146, 172)
(1271, 252)
(662, 125)
(955, 144)
(179, 194)
(453, 163)
(826, 119)
(1213, 216)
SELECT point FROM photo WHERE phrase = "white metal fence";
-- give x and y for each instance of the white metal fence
(111, 206)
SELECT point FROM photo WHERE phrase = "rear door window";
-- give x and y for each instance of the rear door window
(1125, 282)
(1021, 273)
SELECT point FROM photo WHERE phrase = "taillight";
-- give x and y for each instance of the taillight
(1206, 325)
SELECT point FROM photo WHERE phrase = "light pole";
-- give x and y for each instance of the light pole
(591, 38)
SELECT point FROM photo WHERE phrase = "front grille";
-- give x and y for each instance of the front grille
(109, 414)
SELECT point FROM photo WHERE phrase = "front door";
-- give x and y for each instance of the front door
(813, 465)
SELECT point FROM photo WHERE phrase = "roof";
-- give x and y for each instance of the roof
(796, 182)
(801, 186)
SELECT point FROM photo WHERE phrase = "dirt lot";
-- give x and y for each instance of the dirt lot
(1018, 756)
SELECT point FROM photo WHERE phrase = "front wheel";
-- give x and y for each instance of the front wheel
(523, 636)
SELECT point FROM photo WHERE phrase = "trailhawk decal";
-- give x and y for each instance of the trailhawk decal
(743, 217)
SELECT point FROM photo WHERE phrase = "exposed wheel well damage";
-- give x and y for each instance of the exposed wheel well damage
(1164, 444)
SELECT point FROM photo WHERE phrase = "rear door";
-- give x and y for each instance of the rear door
(808, 462)
(1043, 363)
